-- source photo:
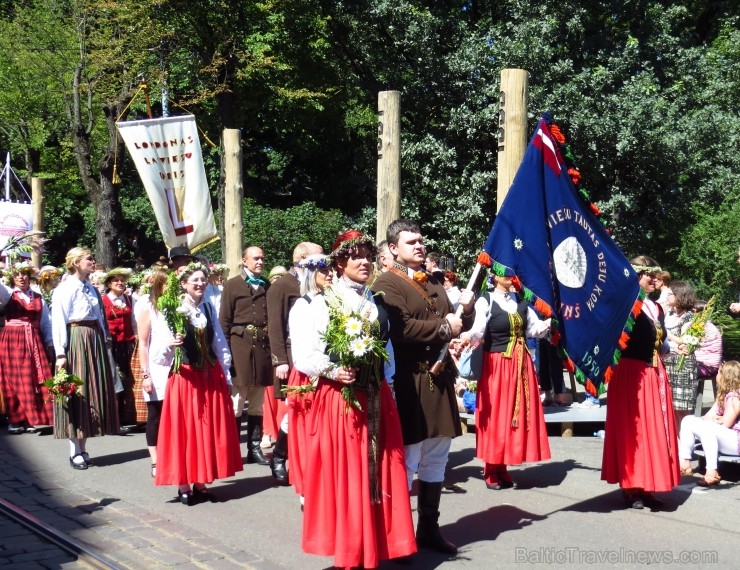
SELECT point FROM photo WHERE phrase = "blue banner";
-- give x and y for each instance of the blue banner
(546, 235)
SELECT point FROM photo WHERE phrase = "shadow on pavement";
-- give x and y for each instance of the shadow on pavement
(119, 458)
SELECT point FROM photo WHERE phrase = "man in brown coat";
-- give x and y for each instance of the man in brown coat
(421, 323)
(283, 293)
(243, 318)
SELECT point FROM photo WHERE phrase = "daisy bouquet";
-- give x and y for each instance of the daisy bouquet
(63, 385)
(693, 335)
(171, 306)
(355, 342)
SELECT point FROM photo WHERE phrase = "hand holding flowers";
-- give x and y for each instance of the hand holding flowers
(170, 305)
(63, 385)
(355, 342)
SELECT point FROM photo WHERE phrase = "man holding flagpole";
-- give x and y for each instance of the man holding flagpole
(421, 323)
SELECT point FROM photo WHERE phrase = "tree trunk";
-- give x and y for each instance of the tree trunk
(103, 193)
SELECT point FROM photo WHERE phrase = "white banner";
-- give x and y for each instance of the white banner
(168, 156)
(16, 219)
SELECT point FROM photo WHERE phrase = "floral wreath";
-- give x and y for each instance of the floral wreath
(20, 267)
(345, 248)
(218, 268)
(316, 261)
(191, 268)
(46, 275)
(646, 268)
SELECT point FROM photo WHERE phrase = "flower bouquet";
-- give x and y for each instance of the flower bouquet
(63, 385)
(170, 304)
(355, 341)
(692, 336)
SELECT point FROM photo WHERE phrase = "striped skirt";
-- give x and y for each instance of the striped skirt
(94, 412)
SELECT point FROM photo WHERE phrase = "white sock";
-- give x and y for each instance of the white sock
(74, 446)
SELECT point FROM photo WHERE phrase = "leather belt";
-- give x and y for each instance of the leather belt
(91, 324)
(426, 366)
(239, 329)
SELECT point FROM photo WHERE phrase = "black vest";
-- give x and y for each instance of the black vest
(503, 328)
(646, 337)
(190, 344)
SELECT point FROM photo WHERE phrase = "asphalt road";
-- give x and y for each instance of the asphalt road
(562, 514)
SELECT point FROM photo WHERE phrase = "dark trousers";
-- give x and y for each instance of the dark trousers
(154, 412)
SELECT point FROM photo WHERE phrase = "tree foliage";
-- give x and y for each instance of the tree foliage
(646, 91)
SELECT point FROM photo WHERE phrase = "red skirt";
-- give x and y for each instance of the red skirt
(23, 367)
(273, 412)
(339, 517)
(299, 406)
(498, 441)
(640, 446)
(197, 440)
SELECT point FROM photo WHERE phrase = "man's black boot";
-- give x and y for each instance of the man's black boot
(254, 434)
(427, 529)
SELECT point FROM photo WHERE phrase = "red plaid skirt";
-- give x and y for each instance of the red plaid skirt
(139, 402)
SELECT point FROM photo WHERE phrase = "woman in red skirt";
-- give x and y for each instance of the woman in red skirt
(357, 504)
(25, 342)
(641, 446)
(197, 441)
(315, 274)
(509, 421)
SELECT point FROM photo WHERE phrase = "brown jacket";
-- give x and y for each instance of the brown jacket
(280, 299)
(426, 404)
(243, 317)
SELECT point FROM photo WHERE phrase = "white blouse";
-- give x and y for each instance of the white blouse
(307, 322)
(536, 328)
(158, 334)
(73, 301)
(163, 354)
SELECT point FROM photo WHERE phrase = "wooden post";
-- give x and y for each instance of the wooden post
(37, 199)
(512, 128)
(233, 200)
(389, 161)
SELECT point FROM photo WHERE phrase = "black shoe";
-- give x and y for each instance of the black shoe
(255, 455)
(432, 540)
(279, 472)
(507, 485)
(279, 458)
(651, 502)
(79, 466)
(87, 459)
(494, 486)
(16, 429)
(186, 498)
(204, 496)
(633, 501)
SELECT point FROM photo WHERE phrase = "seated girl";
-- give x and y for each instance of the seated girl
(718, 430)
